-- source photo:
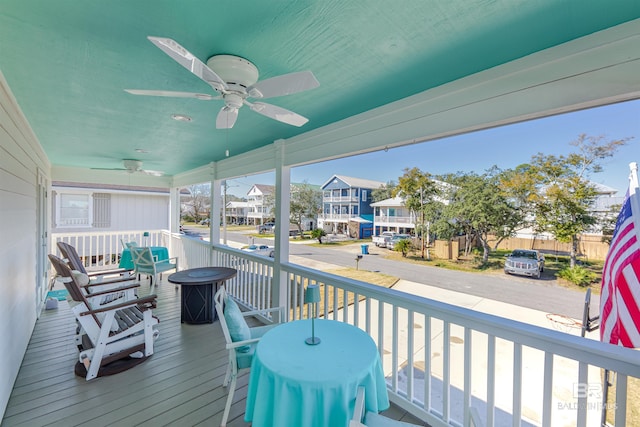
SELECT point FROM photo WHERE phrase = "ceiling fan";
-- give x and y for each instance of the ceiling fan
(235, 79)
(132, 166)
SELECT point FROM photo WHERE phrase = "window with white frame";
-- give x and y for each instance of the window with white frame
(74, 209)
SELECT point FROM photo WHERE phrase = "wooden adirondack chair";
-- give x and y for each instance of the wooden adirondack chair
(123, 329)
(70, 254)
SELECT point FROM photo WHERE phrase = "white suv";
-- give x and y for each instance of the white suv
(526, 262)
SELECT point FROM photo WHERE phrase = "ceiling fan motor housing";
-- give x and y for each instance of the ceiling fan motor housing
(132, 165)
(234, 70)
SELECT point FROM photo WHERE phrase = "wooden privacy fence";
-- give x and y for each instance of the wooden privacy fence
(590, 246)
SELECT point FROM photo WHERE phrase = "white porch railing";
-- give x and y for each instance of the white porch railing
(441, 360)
(102, 249)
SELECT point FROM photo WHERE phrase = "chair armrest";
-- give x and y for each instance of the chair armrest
(111, 281)
(111, 291)
(266, 310)
(236, 344)
(142, 303)
(107, 272)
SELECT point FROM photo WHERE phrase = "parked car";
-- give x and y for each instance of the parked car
(395, 239)
(383, 238)
(267, 227)
(525, 262)
(263, 250)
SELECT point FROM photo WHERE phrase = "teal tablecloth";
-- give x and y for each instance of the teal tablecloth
(295, 384)
(159, 252)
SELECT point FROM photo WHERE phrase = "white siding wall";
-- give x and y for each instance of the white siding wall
(139, 212)
(142, 211)
(20, 158)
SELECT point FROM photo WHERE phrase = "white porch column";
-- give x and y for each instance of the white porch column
(216, 207)
(283, 189)
(174, 209)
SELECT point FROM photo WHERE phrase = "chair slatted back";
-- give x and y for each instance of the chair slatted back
(70, 282)
(142, 257)
(70, 253)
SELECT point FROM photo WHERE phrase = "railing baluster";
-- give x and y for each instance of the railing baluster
(621, 400)
(517, 384)
(446, 371)
(547, 392)
(394, 349)
(410, 355)
(491, 380)
(427, 363)
(467, 376)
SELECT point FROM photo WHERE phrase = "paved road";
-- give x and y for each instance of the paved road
(544, 294)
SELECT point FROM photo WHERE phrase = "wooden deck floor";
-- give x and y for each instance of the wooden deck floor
(181, 384)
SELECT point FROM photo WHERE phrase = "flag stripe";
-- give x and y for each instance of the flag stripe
(620, 295)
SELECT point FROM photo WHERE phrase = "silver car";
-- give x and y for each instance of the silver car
(525, 262)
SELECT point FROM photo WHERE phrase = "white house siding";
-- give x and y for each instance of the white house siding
(128, 211)
(22, 161)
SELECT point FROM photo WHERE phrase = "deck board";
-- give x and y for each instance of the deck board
(181, 384)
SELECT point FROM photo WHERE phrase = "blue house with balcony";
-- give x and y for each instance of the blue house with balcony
(346, 206)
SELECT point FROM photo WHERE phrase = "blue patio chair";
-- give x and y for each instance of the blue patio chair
(145, 263)
(240, 338)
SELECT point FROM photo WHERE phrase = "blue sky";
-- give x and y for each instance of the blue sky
(506, 147)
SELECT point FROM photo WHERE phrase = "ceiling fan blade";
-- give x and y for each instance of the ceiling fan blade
(185, 58)
(226, 118)
(203, 96)
(285, 84)
(278, 113)
(152, 173)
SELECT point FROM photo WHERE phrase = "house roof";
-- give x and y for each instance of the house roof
(393, 201)
(262, 188)
(237, 204)
(355, 182)
(425, 70)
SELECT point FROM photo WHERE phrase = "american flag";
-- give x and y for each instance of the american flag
(620, 296)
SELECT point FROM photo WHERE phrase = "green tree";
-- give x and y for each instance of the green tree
(418, 191)
(480, 208)
(560, 193)
(306, 202)
(199, 201)
(383, 192)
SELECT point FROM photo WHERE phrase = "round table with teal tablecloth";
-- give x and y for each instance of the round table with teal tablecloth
(295, 384)
(159, 253)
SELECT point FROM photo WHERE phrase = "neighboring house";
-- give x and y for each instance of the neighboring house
(104, 207)
(392, 215)
(602, 206)
(259, 203)
(346, 206)
(236, 212)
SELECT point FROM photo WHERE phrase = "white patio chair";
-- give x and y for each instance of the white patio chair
(240, 339)
(363, 418)
(145, 263)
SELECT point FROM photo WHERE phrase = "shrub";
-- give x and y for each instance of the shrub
(318, 233)
(577, 275)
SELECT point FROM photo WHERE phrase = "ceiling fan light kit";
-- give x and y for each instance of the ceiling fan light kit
(235, 79)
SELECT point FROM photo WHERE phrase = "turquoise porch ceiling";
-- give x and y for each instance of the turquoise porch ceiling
(68, 63)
